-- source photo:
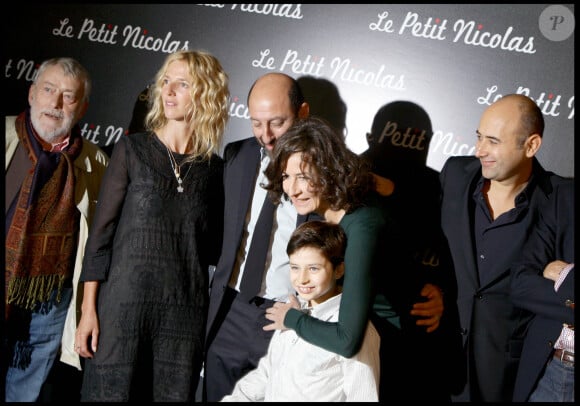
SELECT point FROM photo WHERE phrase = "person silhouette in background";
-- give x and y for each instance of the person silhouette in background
(421, 282)
(140, 110)
(325, 102)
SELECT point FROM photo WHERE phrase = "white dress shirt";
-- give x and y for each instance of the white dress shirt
(566, 339)
(276, 283)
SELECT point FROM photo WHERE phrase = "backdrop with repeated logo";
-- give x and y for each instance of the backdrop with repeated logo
(453, 60)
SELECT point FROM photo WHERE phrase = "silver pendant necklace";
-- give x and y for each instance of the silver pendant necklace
(177, 170)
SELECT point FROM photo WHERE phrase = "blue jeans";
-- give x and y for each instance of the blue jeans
(557, 383)
(24, 385)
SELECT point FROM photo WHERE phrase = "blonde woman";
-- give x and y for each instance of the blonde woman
(157, 228)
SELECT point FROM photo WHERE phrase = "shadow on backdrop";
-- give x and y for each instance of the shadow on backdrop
(140, 110)
(324, 99)
(398, 147)
(399, 140)
(137, 123)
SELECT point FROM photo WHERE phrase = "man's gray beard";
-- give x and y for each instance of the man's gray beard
(52, 137)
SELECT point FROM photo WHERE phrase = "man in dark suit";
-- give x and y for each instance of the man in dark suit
(543, 283)
(235, 340)
(490, 204)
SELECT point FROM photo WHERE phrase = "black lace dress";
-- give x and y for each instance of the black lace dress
(150, 246)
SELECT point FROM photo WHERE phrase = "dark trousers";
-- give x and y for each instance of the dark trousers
(424, 367)
(238, 345)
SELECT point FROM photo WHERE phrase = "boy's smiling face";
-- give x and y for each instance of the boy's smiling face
(313, 275)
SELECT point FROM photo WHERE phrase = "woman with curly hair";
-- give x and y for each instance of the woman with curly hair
(313, 167)
(157, 229)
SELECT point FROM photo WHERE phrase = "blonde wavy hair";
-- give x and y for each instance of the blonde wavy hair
(210, 94)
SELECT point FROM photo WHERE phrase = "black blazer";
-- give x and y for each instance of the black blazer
(553, 239)
(242, 160)
(488, 318)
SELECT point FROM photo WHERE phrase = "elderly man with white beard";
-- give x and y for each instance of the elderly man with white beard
(53, 177)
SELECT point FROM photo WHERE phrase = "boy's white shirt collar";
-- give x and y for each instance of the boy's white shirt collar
(323, 310)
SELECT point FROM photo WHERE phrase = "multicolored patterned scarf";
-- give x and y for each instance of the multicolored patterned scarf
(41, 240)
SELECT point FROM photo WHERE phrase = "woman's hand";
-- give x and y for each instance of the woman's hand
(277, 313)
(87, 335)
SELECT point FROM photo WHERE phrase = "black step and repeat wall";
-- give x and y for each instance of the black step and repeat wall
(452, 60)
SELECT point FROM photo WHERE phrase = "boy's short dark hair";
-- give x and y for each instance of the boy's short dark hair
(327, 237)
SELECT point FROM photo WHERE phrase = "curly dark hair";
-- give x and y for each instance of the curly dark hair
(342, 178)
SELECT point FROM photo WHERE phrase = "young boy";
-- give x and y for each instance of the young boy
(294, 370)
